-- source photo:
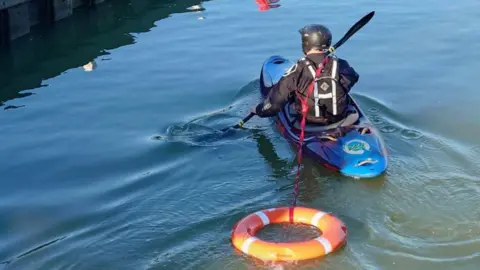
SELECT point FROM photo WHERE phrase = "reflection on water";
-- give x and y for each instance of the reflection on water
(77, 41)
(90, 66)
(264, 5)
(281, 167)
(314, 178)
(312, 175)
(198, 9)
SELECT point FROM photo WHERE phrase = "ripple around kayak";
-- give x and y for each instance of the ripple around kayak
(431, 143)
(409, 134)
(249, 89)
(473, 154)
(376, 120)
(200, 135)
(375, 106)
(388, 129)
(373, 110)
(205, 130)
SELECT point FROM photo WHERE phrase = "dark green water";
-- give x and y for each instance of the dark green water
(120, 168)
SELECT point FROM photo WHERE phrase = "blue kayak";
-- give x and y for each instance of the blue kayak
(354, 147)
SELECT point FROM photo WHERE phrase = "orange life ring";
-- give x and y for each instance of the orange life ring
(334, 234)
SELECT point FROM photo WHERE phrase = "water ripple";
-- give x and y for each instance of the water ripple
(376, 120)
(420, 258)
(409, 134)
(388, 129)
(200, 135)
(433, 143)
(40, 247)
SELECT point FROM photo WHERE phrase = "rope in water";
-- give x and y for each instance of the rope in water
(302, 134)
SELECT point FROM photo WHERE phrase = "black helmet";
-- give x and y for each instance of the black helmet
(315, 36)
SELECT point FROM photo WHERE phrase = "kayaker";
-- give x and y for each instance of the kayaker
(332, 97)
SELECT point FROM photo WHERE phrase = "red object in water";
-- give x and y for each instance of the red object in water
(264, 5)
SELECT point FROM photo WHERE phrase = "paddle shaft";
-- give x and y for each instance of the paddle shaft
(241, 123)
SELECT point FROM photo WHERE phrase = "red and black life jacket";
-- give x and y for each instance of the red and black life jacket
(329, 100)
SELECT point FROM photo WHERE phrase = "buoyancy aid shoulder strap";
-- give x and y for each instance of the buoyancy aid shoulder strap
(299, 94)
(332, 76)
(314, 73)
(309, 65)
(333, 94)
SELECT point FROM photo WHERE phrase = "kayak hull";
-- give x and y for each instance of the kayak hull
(354, 149)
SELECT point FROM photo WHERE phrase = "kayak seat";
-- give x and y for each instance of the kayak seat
(292, 115)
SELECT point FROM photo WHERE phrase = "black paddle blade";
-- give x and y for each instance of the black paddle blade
(361, 23)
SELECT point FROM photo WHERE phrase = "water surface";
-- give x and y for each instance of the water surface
(118, 164)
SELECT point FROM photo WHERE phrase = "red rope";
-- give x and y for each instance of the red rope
(302, 134)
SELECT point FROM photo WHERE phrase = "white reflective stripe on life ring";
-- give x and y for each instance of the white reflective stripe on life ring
(317, 218)
(325, 243)
(247, 244)
(263, 217)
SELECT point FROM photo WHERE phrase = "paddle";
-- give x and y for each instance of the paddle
(357, 26)
(240, 124)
